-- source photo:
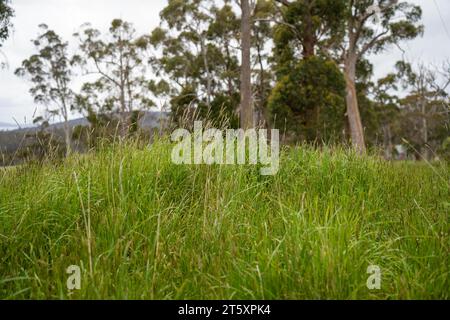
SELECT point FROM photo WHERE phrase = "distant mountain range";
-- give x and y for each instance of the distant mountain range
(150, 119)
(11, 136)
(4, 124)
(7, 126)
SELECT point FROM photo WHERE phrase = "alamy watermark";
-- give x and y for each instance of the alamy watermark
(74, 279)
(228, 147)
(374, 280)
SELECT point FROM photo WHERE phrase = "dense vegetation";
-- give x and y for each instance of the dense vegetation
(142, 227)
(301, 66)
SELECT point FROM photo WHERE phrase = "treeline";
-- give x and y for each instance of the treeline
(301, 66)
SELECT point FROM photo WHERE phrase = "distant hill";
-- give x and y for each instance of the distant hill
(12, 138)
(4, 124)
(7, 126)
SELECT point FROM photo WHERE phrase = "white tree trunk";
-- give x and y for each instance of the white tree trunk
(246, 85)
(353, 114)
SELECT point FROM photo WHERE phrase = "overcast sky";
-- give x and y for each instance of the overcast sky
(65, 16)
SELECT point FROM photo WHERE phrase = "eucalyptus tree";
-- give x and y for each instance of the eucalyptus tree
(6, 14)
(308, 98)
(118, 59)
(185, 42)
(50, 72)
(308, 26)
(381, 113)
(224, 32)
(371, 26)
(358, 28)
(198, 46)
(263, 75)
(425, 110)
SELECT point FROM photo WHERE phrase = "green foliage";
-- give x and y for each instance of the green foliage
(6, 13)
(41, 147)
(380, 110)
(222, 112)
(161, 231)
(309, 25)
(50, 72)
(183, 106)
(373, 30)
(424, 117)
(445, 149)
(199, 59)
(310, 101)
(118, 60)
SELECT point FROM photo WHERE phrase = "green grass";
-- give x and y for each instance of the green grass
(141, 227)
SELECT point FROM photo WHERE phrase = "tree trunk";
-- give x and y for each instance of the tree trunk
(123, 117)
(309, 37)
(208, 73)
(246, 86)
(354, 117)
(229, 69)
(387, 142)
(67, 131)
(67, 138)
(261, 116)
(425, 149)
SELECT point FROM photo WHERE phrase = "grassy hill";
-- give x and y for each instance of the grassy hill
(141, 227)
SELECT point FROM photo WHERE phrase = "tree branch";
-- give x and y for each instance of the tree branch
(379, 38)
(284, 2)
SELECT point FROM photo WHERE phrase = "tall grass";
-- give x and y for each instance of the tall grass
(141, 227)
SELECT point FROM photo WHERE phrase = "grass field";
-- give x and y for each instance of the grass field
(141, 227)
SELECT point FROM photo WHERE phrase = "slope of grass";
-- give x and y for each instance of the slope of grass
(141, 227)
